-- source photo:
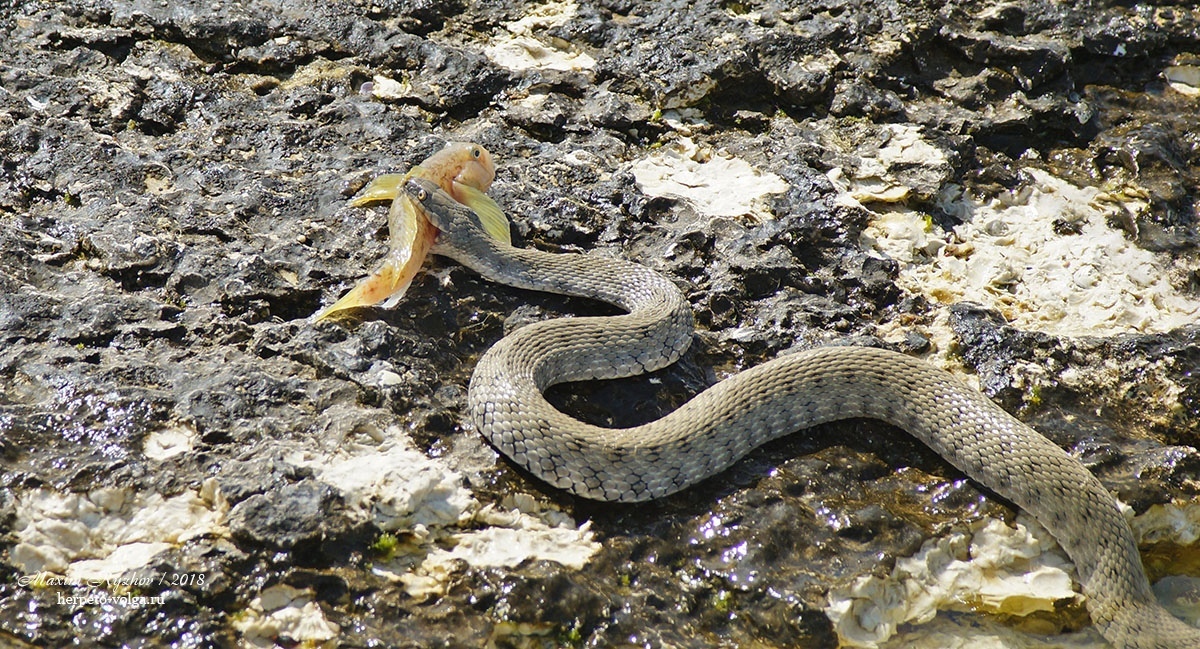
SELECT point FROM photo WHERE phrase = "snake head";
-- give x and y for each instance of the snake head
(443, 212)
(430, 197)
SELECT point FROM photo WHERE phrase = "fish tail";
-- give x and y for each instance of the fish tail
(390, 281)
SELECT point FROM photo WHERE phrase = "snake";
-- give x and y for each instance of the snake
(792, 392)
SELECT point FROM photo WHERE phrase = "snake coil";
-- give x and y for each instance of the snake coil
(792, 392)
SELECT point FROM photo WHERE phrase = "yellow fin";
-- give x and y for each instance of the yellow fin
(365, 293)
(384, 187)
(387, 284)
(491, 217)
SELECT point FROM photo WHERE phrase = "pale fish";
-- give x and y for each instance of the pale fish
(463, 170)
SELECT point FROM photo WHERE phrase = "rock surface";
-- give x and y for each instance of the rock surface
(173, 188)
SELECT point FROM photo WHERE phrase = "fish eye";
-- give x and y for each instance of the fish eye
(476, 152)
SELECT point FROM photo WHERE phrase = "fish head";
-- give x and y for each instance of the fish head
(472, 163)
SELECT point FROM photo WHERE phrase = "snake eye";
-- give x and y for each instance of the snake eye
(476, 152)
(422, 195)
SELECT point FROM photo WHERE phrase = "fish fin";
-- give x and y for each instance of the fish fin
(384, 187)
(391, 280)
(491, 217)
(395, 298)
(388, 283)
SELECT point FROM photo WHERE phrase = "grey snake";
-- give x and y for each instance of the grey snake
(792, 392)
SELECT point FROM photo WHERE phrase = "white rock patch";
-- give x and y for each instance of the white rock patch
(387, 88)
(1008, 257)
(394, 485)
(550, 535)
(427, 505)
(715, 184)
(880, 176)
(512, 538)
(1177, 522)
(106, 532)
(968, 632)
(522, 49)
(996, 569)
(281, 611)
(169, 442)
(1184, 79)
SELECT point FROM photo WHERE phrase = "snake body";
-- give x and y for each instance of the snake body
(792, 392)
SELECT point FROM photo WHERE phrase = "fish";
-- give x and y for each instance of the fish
(463, 170)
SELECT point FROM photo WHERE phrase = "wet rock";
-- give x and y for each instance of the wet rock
(419, 17)
(133, 259)
(96, 320)
(1038, 61)
(857, 99)
(242, 479)
(1124, 34)
(542, 115)
(615, 111)
(800, 76)
(976, 91)
(292, 515)
(173, 193)
(1161, 162)
(1092, 379)
(449, 79)
(984, 336)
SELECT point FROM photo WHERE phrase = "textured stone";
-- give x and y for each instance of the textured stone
(173, 188)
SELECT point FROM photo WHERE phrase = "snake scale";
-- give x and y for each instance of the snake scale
(792, 392)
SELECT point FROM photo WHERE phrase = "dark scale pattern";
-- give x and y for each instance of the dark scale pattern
(722, 424)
